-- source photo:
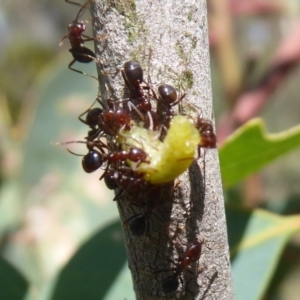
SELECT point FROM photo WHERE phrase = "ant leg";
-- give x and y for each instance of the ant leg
(125, 80)
(81, 10)
(74, 153)
(178, 100)
(119, 195)
(150, 119)
(132, 217)
(62, 40)
(75, 3)
(78, 71)
(87, 38)
(86, 111)
(131, 105)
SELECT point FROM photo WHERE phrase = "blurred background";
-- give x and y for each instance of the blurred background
(49, 207)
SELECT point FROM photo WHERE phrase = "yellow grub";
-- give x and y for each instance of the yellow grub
(170, 158)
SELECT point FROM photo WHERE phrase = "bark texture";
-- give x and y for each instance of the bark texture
(170, 40)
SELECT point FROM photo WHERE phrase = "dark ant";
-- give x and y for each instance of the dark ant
(167, 98)
(91, 119)
(77, 39)
(92, 116)
(191, 254)
(93, 160)
(110, 179)
(140, 224)
(133, 76)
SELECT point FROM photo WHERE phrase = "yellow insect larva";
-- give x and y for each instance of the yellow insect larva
(170, 158)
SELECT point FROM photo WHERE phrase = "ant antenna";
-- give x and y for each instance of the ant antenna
(80, 12)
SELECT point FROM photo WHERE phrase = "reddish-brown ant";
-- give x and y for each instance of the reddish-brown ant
(167, 98)
(131, 181)
(207, 135)
(77, 39)
(133, 76)
(191, 254)
(109, 119)
(113, 117)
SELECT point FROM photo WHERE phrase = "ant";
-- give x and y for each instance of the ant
(91, 119)
(140, 224)
(94, 159)
(131, 181)
(77, 39)
(207, 135)
(167, 98)
(132, 73)
(108, 120)
(191, 254)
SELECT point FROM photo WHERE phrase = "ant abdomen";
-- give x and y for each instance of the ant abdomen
(110, 181)
(92, 116)
(92, 161)
(133, 73)
(167, 94)
(121, 117)
(82, 54)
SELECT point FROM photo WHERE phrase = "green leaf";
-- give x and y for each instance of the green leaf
(62, 95)
(250, 148)
(13, 286)
(256, 240)
(122, 287)
(93, 269)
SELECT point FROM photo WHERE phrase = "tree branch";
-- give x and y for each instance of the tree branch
(175, 33)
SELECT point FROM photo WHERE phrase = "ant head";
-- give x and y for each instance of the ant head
(203, 124)
(77, 27)
(133, 73)
(167, 94)
(170, 285)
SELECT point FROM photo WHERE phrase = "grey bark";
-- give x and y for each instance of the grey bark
(170, 39)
